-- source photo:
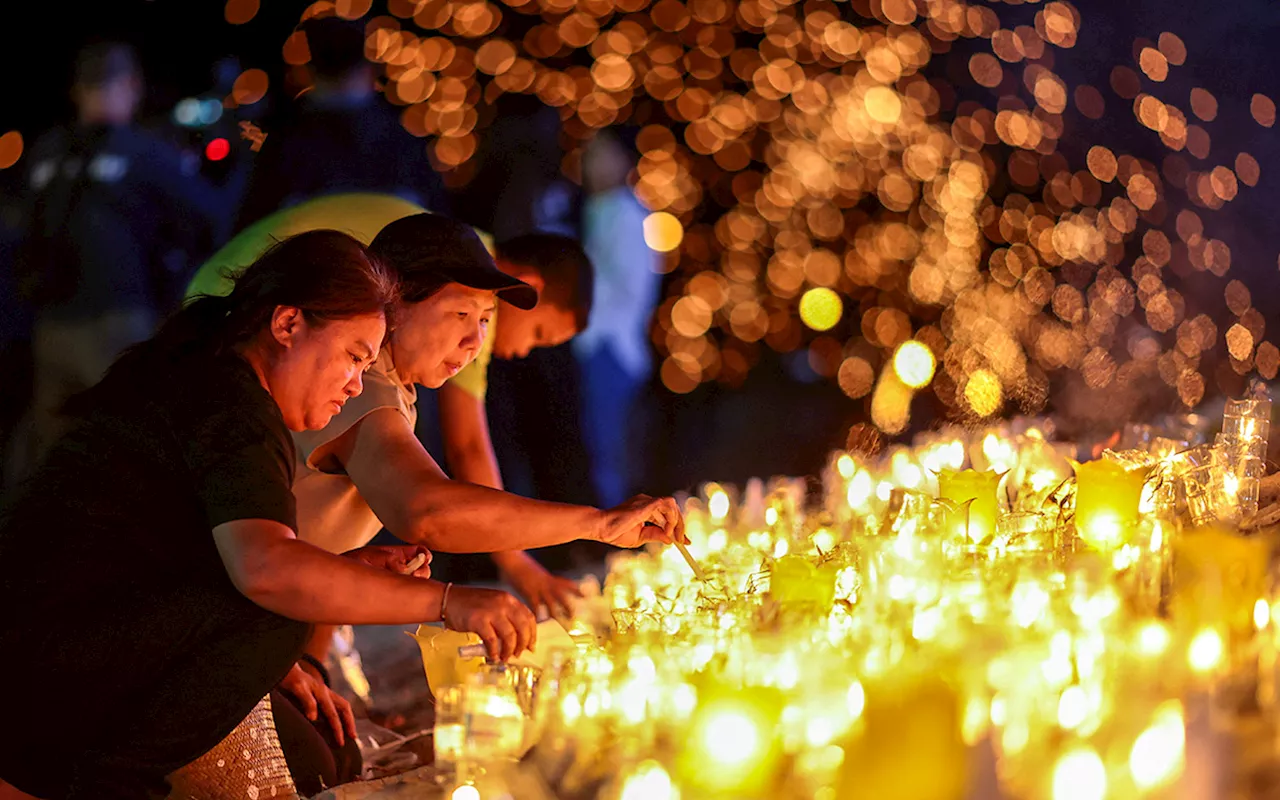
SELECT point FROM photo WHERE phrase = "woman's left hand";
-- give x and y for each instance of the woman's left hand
(395, 558)
(315, 699)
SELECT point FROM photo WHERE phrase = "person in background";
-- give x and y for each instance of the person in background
(15, 323)
(100, 195)
(518, 188)
(613, 351)
(339, 136)
(179, 589)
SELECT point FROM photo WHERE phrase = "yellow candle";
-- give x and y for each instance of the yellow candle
(908, 745)
(960, 487)
(1107, 497)
(731, 747)
(1219, 575)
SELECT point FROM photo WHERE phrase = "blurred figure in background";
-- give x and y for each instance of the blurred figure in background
(518, 188)
(15, 320)
(614, 350)
(339, 136)
(104, 199)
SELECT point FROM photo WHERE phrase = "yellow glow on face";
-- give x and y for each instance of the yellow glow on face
(821, 308)
(914, 364)
(663, 232)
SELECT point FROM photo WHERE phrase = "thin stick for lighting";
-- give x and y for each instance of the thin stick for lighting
(684, 551)
(688, 559)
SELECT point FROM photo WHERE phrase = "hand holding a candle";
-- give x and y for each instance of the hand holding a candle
(641, 520)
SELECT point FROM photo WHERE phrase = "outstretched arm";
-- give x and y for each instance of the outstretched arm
(269, 565)
(417, 502)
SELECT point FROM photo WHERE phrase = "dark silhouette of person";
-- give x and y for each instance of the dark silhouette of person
(339, 136)
(104, 200)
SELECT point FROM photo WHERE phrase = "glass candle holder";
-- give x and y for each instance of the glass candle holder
(1026, 531)
(1219, 576)
(1107, 500)
(447, 735)
(1237, 471)
(493, 719)
(978, 489)
(1247, 419)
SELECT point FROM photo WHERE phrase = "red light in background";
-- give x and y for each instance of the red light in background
(217, 149)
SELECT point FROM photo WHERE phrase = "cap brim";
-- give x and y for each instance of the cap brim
(511, 290)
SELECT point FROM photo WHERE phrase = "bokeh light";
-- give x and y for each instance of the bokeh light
(10, 149)
(821, 309)
(663, 231)
(836, 181)
(914, 364)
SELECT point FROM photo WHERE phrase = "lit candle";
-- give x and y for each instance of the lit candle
(960, 487)
(1107, 498)
(1219, 576)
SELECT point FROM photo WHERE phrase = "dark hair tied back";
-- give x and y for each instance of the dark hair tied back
(326, 274)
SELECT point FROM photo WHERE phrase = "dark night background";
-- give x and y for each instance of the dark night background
(784, 419)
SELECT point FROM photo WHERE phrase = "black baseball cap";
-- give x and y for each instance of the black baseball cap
(430, 249)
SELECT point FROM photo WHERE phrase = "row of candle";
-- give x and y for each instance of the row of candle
(1027, 627)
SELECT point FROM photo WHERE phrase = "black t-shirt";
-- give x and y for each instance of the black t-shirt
(125, 504)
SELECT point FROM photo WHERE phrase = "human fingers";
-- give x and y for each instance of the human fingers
(526, 627)
(508, 635)
(492, 643)
(325, 699)
(305, 696)
(344, 711)
(559, 593)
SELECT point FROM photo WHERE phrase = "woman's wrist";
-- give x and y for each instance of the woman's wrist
(510, 559)
(600, 528)
(320, 670)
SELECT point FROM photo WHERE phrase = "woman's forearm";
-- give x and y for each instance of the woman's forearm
(417, 502)
(456, 517)
(300, 581)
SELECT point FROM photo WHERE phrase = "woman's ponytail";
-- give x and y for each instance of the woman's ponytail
(326, 274)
